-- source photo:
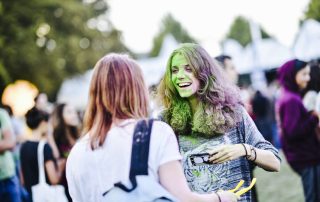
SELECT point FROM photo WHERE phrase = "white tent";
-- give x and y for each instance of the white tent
(153, 68)
(75, 90)
(263, 55)
(307, 43)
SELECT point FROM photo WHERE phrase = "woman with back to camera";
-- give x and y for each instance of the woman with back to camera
(298, 127)
(205, 111)
(118, 98)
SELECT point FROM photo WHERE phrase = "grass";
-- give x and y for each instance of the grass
(284, 186)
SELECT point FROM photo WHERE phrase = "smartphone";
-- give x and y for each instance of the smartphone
(199, 159)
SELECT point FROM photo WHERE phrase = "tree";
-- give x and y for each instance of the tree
(240, 31)
(170, 26)
(313, 11)
(45, 41)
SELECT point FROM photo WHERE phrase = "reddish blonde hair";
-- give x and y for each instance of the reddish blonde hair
(117, 91)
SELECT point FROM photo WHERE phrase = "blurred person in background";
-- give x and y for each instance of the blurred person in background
(118, 99)
(206, 113)
(18, 130)
(298, 127)
(261, 115)
(65, 124)
(37, 121)
(41, 103)
(273, 93)
(312, 90)
(229, 68)
(9, 182)
(311, 95)
(17, 124)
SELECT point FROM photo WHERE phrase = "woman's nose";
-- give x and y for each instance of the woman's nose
(181, 74)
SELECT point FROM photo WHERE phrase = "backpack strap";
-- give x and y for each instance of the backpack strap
(140, 148)
(139, 155)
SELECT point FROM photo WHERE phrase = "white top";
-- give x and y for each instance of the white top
(91, 173)
(309, 100)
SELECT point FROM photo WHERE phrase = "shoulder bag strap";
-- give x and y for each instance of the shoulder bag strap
(42, 179)
(140, 148)
(140, 153)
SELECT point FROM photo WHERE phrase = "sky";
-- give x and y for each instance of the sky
(206, 20)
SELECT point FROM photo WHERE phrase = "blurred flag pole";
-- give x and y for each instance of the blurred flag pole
(257, 75)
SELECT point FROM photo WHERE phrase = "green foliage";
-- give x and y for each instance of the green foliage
(313, 11)
(170, 26)
(46, 41)
(240, 31)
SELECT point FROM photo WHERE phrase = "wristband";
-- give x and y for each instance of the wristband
(245, 149)
(255, 154)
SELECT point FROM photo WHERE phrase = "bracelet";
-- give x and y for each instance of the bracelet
(245, 149)
(252, 151)
(218, 196)
(255, 154)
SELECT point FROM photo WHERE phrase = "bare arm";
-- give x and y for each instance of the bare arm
(21, 177)
(173, 179)
(264, 158)
(52, 142)
(8, 141)
(54, 174)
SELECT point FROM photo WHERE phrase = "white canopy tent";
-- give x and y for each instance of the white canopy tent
(263, 55)
(75, 90)
(307, 43)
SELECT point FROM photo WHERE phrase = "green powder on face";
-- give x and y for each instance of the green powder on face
(181, 74)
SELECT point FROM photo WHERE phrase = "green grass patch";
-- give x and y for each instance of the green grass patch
(284, 186)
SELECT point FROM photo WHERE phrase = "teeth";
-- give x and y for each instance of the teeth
(184, 84)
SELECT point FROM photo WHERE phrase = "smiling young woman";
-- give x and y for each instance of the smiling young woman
(207, 115)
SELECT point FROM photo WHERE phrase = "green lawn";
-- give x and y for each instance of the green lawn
(284, 186)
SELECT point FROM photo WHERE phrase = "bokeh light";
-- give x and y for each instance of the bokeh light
(20, 96)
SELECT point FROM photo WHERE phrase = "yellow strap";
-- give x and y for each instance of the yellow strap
(237, 187)
(244, 190)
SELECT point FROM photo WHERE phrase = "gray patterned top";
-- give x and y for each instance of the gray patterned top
(208, 178)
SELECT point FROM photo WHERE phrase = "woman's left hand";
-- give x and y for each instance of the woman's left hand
(225, 153)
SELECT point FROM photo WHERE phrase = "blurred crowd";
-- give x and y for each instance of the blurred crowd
(59, 125)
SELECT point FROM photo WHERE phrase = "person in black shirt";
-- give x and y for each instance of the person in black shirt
(37, 120)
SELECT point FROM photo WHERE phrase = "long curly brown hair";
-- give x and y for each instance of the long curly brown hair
(218, 110)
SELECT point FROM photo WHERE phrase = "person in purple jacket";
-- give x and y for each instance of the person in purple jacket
(298, 127)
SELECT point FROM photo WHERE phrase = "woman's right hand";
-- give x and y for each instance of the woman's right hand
(227, 196)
